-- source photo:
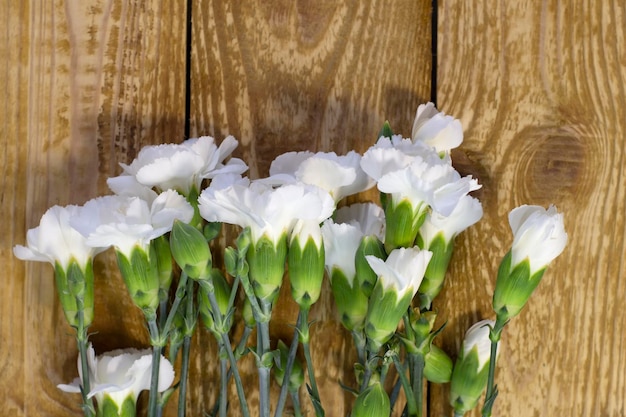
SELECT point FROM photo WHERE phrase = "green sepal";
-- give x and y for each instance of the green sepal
(164, 264)
(365, 275)
(141, 276)
(211, 230)
(402, 223)
(306, 271)
(296, 377)
(75, 290)
(438, 365)
(167, 394)
(266, 261)
(190, 250)
(350, 300)
(467, 381)
(108, 408)
(514, 286)
(192, 198)
(384, 313)
(422, 324)
(247, 314)
(230, 261)
(372, 402)
(267, 360)
(177, 333)
(436, 270)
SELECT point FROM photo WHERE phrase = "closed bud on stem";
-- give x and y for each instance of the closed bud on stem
(191, 250)
(436, 271)
(538, 238)
(372, 402)
(471, 369)
(222, 290)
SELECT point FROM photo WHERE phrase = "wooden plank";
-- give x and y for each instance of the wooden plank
(86, 85)
(305, 75)
(539, 87)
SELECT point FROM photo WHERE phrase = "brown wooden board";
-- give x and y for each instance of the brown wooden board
(85, 84)
(304, 75)
(539, 87)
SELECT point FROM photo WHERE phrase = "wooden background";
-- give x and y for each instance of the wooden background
(538, 85)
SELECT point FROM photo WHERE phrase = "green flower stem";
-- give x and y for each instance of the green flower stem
(395, 392)
(492, 389)
(180, 294)
(458, 414)
(417, 362)
(82, 341)
(163, 312)
(368, 369)
(291, 358)
(190, 317)
(304, 338)
(240, 350)
(233, 293)
(263, 347)
(157, 348)
(295, 399)
(360, 344)
(411, 402)
(223, 400)
(184, 372)
(264, 390)
(225, 340)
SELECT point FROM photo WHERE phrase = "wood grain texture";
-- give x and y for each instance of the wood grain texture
(86, 85)
(539, 87)
(305, 75)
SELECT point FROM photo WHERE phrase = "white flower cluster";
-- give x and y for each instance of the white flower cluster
(377, 257)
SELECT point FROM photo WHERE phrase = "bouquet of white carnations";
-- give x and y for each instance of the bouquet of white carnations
(386, 264)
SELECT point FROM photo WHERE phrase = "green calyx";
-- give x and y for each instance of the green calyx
(384, 313)
(76, 292)
(350, 300)
(402, 223)
(109, 408)
(266, 261)
(467, 381)
(369, 245)
(191, 250)
(141, 275)
(372, 402)
(514, 286)
(164, 264)
(306, 271)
